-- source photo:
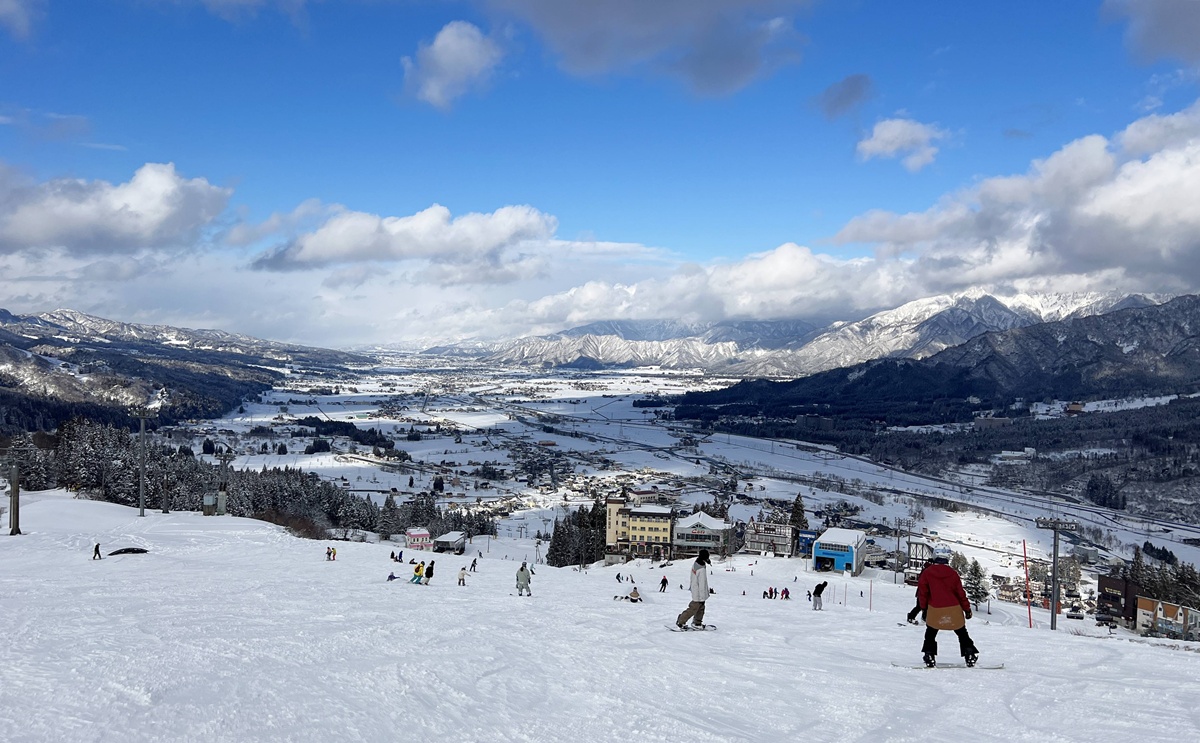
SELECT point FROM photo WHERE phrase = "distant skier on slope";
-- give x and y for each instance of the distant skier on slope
(462, 576)
(523, 578)
(473, 559)
(428, 573)
(700, 591)
(944, 605)
(662, 585)
(96, 553)
(816, 594)
(418, 573)
(633, 597)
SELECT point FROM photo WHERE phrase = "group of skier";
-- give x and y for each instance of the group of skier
(941, 600)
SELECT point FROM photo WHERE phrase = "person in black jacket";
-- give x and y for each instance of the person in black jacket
(428, 573)
(820, 589)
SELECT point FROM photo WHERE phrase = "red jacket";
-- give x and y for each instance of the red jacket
(940, 586)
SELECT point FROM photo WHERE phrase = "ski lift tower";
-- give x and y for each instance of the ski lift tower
(1055, 525)
(226, 457)
(907, 525)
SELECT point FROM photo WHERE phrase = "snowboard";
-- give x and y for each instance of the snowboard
(690, 628)
(924, 667)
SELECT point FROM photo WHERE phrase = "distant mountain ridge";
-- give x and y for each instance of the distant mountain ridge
(793, 348)
(56, 365)
(1148, 350)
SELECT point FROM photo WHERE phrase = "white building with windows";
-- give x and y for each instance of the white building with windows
(700, 531)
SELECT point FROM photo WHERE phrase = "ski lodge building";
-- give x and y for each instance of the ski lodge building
(418, 539)
(840, 549)
(636, 530)
(700, 531)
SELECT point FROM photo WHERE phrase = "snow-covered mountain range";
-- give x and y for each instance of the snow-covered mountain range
(790, 348)
(56, 365)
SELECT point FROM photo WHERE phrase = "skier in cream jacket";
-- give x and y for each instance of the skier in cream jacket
(699, 586)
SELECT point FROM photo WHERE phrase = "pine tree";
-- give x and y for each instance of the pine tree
(976, 584)
(1138, 573)
(798, 520)
(958, 561)
(389, 518)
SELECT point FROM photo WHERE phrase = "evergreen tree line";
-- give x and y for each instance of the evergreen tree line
(367, 437)
(578, 538)
(1101, 491)
(422, 511)
(1174, 583)
(103, 461)
(1166, 433)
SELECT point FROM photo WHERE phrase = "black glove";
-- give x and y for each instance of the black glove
(968, 613)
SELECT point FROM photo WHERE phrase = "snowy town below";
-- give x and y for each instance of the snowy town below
(582, 477)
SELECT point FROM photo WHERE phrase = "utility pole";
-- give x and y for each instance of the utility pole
(141, 462)
(14, 494)
(1055, 525)
(906, 524)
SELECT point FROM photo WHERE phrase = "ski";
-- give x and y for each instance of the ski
(949, 665)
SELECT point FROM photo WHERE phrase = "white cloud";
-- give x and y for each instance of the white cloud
(1100, 212)
(1125, 206)
(459, 59)
(895, 137)
(463, 249)
(308, 212)
(715, 46)
(18, 15)
(1156, 132)
(156, 208)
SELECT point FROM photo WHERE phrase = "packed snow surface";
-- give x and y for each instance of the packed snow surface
(230, 629)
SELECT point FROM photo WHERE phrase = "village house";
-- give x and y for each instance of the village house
(700, 531)
(1164, 619)
(763, 537)
(416, 538)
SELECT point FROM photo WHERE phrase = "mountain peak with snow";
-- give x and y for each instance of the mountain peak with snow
(795, 347)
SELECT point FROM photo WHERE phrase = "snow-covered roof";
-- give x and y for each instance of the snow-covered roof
(451, 536)
(700, 518)
(651, 510)
(416, 532)
(842, 536)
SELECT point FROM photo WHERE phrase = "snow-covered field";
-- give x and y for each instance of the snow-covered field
(231, 630)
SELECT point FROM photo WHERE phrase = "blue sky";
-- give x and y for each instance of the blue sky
(273, 167)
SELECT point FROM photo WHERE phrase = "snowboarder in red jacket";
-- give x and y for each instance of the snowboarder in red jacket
(944, 605)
